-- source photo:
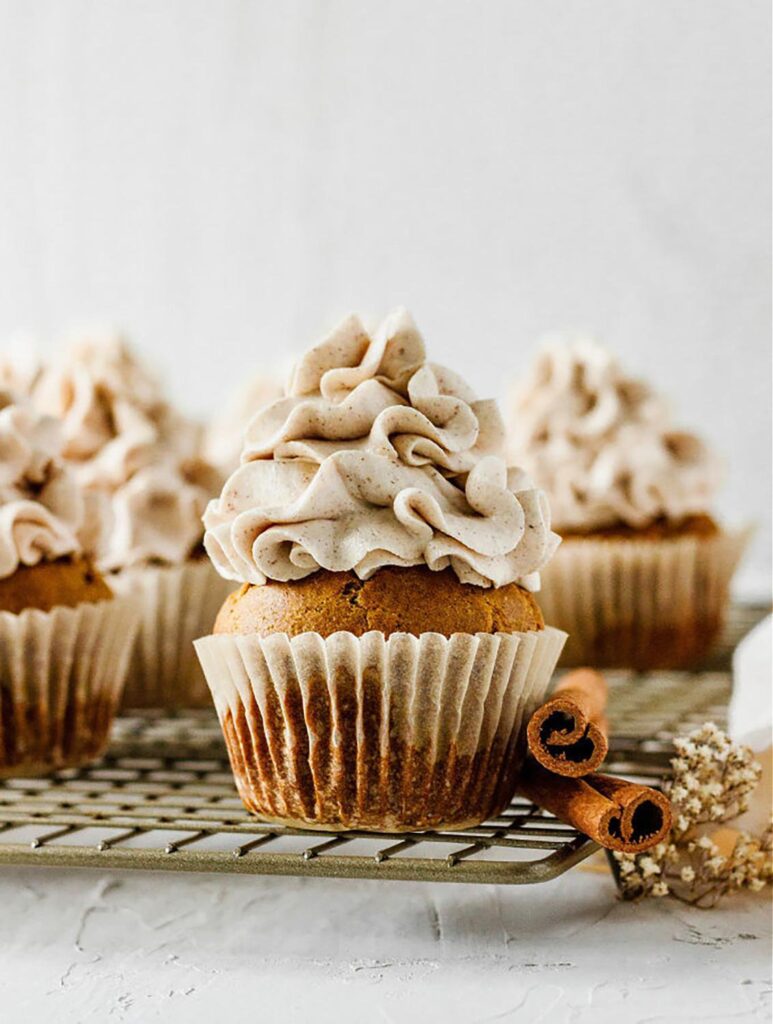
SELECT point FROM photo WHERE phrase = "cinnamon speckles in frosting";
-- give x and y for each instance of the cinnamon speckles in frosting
(137, 458)
(377, 457)
(602, 444)
(41, 505)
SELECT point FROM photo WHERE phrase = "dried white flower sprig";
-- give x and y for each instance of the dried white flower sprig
(711, 781)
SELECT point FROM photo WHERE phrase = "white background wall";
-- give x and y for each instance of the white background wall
(224, 179)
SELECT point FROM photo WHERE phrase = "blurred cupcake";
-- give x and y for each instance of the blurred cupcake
(65, 641)
(146, 487)
(642, 576)
(376, 665)
(224, 435)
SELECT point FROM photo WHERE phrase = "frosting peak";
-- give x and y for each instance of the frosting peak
(41, 505)
(377, 457)
(602, 444)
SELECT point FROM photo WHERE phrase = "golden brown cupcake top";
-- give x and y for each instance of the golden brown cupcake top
(68, 582)
(659, 529)
(414, 600)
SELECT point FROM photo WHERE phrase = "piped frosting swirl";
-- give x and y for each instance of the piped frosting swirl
(41, 504)
(377, 457)
(138, 459)
(603, 445)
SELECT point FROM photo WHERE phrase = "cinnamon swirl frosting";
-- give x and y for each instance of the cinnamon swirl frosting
(377, 457)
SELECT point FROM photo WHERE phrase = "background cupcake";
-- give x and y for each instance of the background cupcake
(147, 485)
(642, 576)
(65, 641)
(375, 666)
(224, 435)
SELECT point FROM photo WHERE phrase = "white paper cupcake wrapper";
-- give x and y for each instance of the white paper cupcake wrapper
(177, 604)
(61, 677)
(373, 732)
(641, 604)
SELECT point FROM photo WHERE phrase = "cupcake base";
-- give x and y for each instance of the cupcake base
(666, 647)
(456, 792)
(49, 741)
(61, 676)
(642, 604)
(397, 733)
(36, 769)
(178, 604)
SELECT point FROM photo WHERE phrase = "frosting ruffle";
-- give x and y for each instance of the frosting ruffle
(138, 459)
(602, 444)
(377, 457)
(41, 505)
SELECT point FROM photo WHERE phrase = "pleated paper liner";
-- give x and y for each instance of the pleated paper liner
(641, 604)
(61, 677)
(178, 603)
(396, 733)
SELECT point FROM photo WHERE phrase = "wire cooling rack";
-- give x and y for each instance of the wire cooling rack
(164, 799)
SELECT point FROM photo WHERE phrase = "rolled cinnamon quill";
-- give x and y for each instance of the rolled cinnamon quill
(617, 814)
(567, 735)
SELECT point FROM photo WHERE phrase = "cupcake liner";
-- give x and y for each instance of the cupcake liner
(61, 676)
(377, 732)
(178, 603)
(641, 604)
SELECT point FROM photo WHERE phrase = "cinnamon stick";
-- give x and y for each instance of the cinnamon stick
(568, 734)
(615, 813)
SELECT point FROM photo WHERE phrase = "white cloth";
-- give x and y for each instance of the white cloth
(750, 718)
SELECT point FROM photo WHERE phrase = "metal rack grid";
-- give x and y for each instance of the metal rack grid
(164, 798)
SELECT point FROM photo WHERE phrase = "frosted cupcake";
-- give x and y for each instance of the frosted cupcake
(65, 641)
(375, 666)
(642, 576)
(147, 486)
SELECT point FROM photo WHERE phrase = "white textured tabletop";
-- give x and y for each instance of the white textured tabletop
(123, 946)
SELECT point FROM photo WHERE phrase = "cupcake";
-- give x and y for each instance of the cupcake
(376, 663)
(146, 486)
(65, 640)
(642, 577)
